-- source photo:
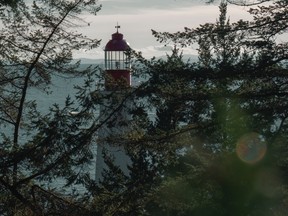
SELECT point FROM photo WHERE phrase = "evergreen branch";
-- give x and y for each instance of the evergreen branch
(19, 196)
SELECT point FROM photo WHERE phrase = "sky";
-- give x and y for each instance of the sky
(138, 17)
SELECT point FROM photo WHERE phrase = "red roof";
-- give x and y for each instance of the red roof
(117, 43)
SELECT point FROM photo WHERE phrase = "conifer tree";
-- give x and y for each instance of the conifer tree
(232, 99)
(204, 134)
(219, 124)
(38, 146)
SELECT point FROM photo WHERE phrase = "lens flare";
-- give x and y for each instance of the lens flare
(251, 148)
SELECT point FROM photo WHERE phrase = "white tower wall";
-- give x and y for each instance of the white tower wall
(116, 118)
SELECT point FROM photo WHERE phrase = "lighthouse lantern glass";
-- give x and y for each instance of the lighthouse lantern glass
(117, 60)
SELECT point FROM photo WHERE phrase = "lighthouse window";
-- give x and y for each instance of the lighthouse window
(117, 60)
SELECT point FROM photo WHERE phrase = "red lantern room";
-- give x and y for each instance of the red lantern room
(117, 62)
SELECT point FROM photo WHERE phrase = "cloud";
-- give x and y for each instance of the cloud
(136, 26)
(97, 53)
(161, 50)
(134, 6)
(147, 52)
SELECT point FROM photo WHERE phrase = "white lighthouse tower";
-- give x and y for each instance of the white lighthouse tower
(114, 112)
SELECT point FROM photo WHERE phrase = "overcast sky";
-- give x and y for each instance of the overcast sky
(138, 17)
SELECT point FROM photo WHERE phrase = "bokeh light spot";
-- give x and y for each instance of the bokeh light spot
(251, 148)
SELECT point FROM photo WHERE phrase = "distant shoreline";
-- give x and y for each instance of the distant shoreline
(193, 58)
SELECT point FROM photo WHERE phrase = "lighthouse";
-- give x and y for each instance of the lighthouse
(114, 111)
(117, 63)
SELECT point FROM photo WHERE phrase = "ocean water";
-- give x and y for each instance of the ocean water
(60, 89)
